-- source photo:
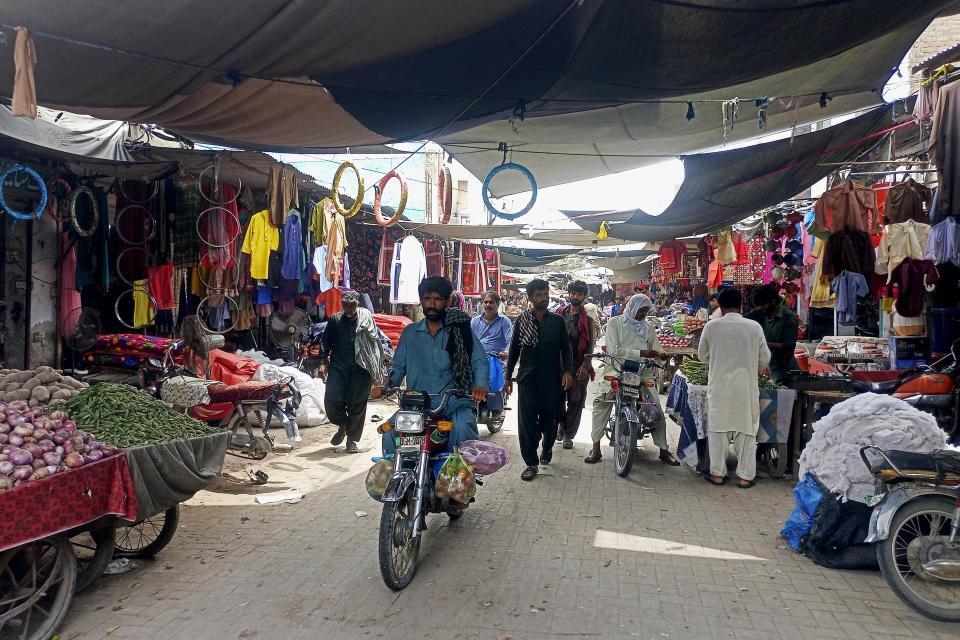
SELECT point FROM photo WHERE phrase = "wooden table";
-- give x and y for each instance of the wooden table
(803, 424)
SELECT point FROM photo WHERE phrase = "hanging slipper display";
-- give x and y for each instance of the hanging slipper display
(378, 190)
(509, 166)
(445, 194)
(358, 201)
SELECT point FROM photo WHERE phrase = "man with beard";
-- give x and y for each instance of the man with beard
(541, 344)
(440, 353)
(354, 355)
(581, 330)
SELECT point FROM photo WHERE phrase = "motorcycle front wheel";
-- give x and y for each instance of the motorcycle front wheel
(399, 550)
(624, 444)
(918, 533)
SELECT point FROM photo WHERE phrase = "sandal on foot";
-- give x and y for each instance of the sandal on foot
(529, 473)
(709, 478)
(593, 459)
(749, 483)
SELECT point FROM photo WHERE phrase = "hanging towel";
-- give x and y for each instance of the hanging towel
(24, 85)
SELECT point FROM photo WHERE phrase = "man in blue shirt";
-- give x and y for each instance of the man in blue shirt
(439, 353)
(494, 332)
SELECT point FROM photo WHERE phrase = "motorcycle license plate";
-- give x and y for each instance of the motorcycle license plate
(630, 391)
(412, 442)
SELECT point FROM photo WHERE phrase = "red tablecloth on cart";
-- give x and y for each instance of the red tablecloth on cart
(67, 500)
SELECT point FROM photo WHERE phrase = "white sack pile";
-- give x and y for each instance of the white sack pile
(833, 453)
(259, 357)
(310, 413)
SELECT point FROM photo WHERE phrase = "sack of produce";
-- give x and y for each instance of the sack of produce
(378, 478)
(456, 480)
(485, 457)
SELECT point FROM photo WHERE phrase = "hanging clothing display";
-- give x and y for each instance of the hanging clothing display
(943, 243)
(741, 248)
(408, 269)
(292, 246)
(848, 250)
(336, 245)
(906, 201)
(820, 295)
(900, 241)
(143, 311)
(914, 278)
(320, 265)
(705, 251)
(282, 192)
(262, 238)
(848, 287)
(726, 252)
(945, 148)
(434, 251)
(322, 216)
(161, 286)
(474, 270)
(494, 271)
(69, 295)
(848, 206)
(385, 265)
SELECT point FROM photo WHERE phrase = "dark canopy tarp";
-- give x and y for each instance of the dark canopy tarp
(302, 75)
(725, 187)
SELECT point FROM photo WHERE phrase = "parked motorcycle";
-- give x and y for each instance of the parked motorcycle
(915, 523)
(421, 437)
(932, 388)
(634, 415)
(239, 408)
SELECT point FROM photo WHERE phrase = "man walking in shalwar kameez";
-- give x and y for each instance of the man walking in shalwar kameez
(736, 351)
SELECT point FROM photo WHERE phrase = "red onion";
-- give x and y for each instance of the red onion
(4, 427)
(5, 483)
(69, 425)
(58, 415)
(94, 445)
(9, 448)
(16, 441)
(22, 431)
(52, 469)
(21, 472)
(68, 447)
(38, 463)
(4, 438)
(73, 460)
(6, 468)
(59, 449)
(34, 449)
(38, 474)
(41, 434)
(51, 458)
(16, 421)
(21, 457)
(93, 456)
(4, 457)
(46, 445)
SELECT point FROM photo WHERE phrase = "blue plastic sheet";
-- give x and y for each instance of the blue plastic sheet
(808, 493)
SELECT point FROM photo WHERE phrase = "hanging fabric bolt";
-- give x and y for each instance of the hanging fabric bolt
(358, 201)
(690, 113)
(509, 166)
(24, 103)
(382, 221)
(41, 187)
(445, 194)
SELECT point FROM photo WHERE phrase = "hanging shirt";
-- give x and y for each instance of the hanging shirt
(292, 246)
(900, 241)
(321, 218)
(474, 270)
(409, 268)
(336, 245)
(848, 287)
(320, 264)
(262, 238)
(672, 254)
(735, 350)
(848, 250)
(943, 243)
(161, 286)
(726, 252)
(914, 278)
(848, 206)
(906, 200)
(705, 251)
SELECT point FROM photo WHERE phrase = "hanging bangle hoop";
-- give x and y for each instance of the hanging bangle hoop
(57, 203)
(120, 256)
(130, 292)
(445, 194)
(231, 269)
(486, 190)
(231, 218)
(215, 181)
(38, 210)
(87, 193)
(384, 222)
(123, 192)
(233, 316)
(149, 226)
(358, 201)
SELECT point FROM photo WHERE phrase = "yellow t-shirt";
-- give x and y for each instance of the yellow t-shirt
(262, 238)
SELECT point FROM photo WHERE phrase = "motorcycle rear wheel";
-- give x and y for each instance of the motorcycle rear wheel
(929, 515)
(624, 445)
(495, 422)
(399, 550)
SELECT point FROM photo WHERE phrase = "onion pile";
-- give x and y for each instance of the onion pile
(34, 445)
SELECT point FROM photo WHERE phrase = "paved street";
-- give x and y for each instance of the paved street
(576, 553)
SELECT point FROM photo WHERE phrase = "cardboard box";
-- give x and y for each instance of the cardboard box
(905, 363)
(909, 347)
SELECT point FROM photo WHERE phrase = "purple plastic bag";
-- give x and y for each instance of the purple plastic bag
(486, 457)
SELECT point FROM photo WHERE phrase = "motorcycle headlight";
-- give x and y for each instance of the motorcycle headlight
(409, 422)
(632, 379)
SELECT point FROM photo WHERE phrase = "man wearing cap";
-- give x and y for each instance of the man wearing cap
(354, 358)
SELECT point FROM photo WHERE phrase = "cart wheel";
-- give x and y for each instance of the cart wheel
(94, 551)
(145, 539)
(775, 460)
(36, 588)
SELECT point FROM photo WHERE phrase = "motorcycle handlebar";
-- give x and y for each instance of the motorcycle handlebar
(647, 362)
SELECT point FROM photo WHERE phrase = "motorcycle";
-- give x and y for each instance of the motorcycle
(421, 438)
(931, 388)
(493, 418)
(915, 523)
(231, 407)
(634, 416)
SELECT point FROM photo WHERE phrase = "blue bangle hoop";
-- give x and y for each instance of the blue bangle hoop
(14, 168)
(486, 190)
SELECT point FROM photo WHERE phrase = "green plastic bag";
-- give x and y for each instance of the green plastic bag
(456, 480)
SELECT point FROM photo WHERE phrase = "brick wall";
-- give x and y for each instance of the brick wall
(942, 33)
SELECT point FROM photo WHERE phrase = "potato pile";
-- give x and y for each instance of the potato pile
(692, 324)
(39, 388)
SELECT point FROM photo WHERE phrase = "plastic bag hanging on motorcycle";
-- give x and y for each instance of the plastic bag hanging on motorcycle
(485, 457)
(496, 374)
(378, 478)
(456, 480)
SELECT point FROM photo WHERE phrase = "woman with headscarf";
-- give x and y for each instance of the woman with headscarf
(629, 336)
(457, 300)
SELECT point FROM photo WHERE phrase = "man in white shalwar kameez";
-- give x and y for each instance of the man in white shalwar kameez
(736, 351)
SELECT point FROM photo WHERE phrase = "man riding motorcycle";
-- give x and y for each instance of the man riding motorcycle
(439, 353)
(494, 332)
